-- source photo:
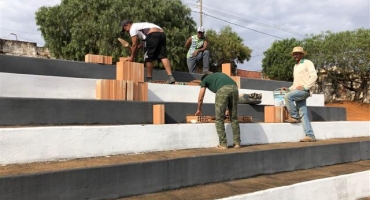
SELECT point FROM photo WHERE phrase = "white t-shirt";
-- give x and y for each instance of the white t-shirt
(141, 29)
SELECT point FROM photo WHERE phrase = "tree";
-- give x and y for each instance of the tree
(226, 47)
(344, 58)
(278, 63)
(76, 27)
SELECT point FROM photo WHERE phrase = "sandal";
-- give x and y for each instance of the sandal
(221, 147)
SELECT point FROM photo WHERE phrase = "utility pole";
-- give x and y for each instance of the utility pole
(201, 13)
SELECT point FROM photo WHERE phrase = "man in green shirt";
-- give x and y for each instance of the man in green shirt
(227, 96)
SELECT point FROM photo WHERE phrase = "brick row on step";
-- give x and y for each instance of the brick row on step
(91, 58)
(211, 119)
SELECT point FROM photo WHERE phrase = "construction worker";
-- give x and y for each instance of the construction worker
(305, 77)
(197, 50)
(226, 102)
(154, 46)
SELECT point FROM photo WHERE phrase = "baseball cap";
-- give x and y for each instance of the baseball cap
(125, 21)
(201, 29)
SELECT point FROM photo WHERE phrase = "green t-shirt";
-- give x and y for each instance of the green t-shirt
(216, 81)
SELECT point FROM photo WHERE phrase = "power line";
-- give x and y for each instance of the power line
(19, 31)
(250, 21)
(241, 26)
(256, 21)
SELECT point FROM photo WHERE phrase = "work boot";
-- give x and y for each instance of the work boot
(308, 139)
(237, 146)
(292, 120)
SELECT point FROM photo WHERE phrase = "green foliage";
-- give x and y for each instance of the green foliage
(278, 63)
(226, 47)
(344, 57)
(76, 27)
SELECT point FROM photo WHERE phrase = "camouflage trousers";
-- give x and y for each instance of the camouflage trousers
(227, 97)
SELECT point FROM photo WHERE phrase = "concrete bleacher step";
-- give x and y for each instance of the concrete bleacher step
(52, 87)
(39, 111)
(63, 68)
(341, 181)
(48, 143)
(129, 175)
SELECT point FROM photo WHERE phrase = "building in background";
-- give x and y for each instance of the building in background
(22, 48)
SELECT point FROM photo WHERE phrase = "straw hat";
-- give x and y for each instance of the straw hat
(299, 50)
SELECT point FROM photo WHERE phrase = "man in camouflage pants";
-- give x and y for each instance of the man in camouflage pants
(227, 96)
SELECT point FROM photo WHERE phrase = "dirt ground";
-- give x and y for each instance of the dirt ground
(355, 111)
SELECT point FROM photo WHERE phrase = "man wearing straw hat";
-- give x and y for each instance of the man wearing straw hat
(304, 77)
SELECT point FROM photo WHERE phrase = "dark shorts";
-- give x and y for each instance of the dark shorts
(155, 47)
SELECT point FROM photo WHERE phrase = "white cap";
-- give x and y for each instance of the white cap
(201, 29)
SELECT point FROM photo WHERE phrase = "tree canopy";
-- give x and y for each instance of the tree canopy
(344, 57)
(277, 63)
(226, 47)
(76, 28)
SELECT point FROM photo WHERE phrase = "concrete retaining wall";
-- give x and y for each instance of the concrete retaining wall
(22, 145)
(25, 112)
(109, 182)
(53, 67)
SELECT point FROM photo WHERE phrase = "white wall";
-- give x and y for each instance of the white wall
(33, 144)
(36, 86)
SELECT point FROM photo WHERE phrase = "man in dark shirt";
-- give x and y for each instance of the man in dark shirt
(227, 96)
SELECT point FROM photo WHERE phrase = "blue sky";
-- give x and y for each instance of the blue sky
(259, 23)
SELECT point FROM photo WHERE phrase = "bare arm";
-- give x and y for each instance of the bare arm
(205, 46)
(134, 48)
(200, 101)
(187, 44)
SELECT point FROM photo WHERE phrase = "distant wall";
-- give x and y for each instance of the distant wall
(22, 48)
(249, 74)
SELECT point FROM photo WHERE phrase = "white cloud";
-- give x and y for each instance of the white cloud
(301, 17)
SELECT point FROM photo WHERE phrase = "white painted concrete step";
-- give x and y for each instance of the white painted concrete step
(35, 144)
(349, 186)
(36, 86)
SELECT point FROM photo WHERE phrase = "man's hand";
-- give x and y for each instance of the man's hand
(284, 89)
(130, 59)
(195, 53)
(227, 113)
(198, 113)
(300, 87)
